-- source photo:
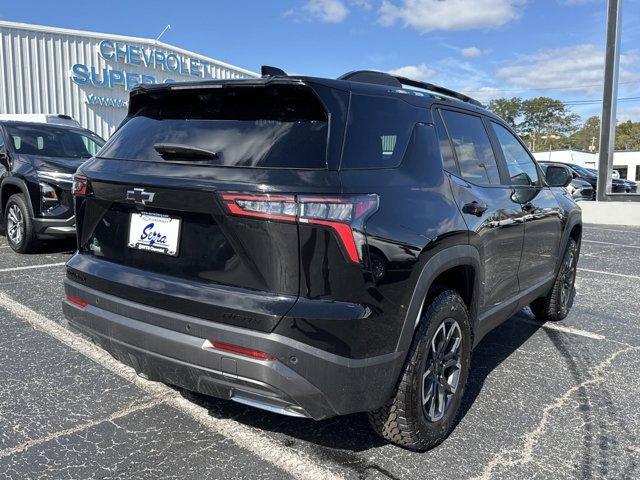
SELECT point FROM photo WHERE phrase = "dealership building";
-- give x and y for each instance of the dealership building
(88, 75)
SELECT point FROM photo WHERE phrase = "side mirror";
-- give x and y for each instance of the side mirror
(558, 176)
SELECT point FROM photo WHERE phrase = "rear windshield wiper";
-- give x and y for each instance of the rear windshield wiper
(178, 150)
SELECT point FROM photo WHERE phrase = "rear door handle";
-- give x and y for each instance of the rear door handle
(475, 208)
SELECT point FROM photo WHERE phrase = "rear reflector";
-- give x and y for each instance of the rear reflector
(247, 352)
(345, 214)
(77, 301)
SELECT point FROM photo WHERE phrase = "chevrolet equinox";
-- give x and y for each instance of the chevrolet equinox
(317, 247)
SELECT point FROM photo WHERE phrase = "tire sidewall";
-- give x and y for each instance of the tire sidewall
(563, 310)
(23, 246)
(451, 306)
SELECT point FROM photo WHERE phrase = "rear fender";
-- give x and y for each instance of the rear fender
(455, 256)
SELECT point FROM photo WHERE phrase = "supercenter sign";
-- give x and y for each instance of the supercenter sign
(124, 55)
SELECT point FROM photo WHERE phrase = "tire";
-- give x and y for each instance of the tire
(18, 224)
(407, 419)
(556, 304)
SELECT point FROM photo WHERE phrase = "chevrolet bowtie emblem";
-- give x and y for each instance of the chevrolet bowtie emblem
(138, 195)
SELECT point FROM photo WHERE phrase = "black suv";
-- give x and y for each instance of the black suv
(591, 176)
(317, 247)
(37, 163)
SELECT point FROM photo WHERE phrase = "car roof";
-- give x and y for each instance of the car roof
(424, 98)
(45, 125)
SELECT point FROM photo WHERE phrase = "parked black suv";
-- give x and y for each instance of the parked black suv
(37, 163)
(591, 176)
(317, 247)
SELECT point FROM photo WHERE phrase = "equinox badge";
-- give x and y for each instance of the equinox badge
(138, 195)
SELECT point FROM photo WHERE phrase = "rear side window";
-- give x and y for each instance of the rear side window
(448, 159)
(522, 170)
(473, 148)
(279, 126)
(378, 131)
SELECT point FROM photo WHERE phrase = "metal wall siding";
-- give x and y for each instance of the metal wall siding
(35, 74)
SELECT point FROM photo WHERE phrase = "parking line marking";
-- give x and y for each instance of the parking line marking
(30, 267)
(563, 329)
(297, 464)
(635, 277)
(587, 228)
(612, 244)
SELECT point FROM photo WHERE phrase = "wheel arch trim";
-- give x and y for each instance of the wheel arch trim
(22, 186)
(455, 256)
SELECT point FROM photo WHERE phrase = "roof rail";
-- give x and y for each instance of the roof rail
(381, 78)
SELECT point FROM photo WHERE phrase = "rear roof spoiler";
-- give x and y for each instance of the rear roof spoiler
(268, 71)
(381, 78)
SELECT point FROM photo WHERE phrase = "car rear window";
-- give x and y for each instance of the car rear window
(378, 131)
(273, 126)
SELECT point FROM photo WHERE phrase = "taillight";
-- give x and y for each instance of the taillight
(77, 301)
(80, 185)
(345, 214)
(247, 352)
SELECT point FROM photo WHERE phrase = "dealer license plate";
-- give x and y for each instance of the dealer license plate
(154, 233)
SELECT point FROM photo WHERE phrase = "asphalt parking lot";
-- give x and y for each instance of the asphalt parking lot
(544, 401)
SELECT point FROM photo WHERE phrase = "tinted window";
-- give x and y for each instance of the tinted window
(51, 141)
(522, 170)
(583, 171)
(275, 126)
(446, 151)
(378, 131)
(473, 148)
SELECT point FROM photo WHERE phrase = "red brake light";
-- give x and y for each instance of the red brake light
(345, 214)
(247, 352)
(80, 185)
(77, 301)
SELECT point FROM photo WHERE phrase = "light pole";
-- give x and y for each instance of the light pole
(609, 98)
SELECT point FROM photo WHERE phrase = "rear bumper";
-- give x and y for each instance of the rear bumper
(170, 347)
(55, 228)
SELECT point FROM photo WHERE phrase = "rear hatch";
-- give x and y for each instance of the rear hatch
(155, 219)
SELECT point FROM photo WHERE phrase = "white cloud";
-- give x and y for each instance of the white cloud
(484, 94)
(428, 15)
(330, 11)
(415, 72)
(365, 4)
(630, 113)
(471, 52)
(576, 68)
(580, 2)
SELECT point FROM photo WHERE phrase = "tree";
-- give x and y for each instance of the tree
(546, 119)
(509, 109)
(628, 136)
(587, 135)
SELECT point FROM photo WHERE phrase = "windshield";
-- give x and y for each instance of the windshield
(583, 171)
(277, 126)
(52, 141)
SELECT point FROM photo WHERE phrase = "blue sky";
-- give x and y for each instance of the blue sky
(487, 48)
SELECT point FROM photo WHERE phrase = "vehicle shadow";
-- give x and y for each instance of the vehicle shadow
(66, 245)
(341, 437)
